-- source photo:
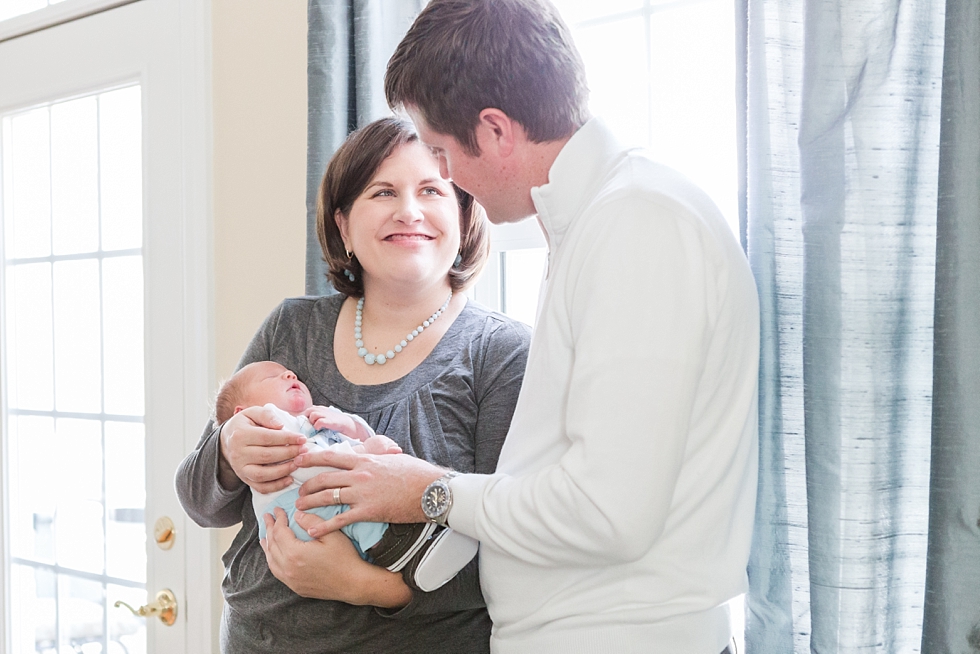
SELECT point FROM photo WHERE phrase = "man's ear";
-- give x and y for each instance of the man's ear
(341, 220)
(499, 131)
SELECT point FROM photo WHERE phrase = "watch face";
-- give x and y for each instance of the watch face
(435, 500)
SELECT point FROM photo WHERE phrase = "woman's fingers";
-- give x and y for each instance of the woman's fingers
(257, 426)
(270, 455)
(272, 484)
(276, 540)
(321, 528)
(258, 450)
(307, 520)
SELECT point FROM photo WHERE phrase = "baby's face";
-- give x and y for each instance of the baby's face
(269, 382)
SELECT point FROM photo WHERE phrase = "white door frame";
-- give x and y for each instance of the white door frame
(178, 268)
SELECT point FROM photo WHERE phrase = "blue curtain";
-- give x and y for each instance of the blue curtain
(952, 623)
(841, 161)
(348, 44)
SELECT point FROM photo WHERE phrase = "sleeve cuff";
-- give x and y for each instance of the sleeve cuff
(468, 492)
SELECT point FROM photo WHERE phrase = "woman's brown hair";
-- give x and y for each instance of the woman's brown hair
(350, 171)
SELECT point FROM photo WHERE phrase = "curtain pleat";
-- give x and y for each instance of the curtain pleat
(842, 164)
(327, 69)
(349, 43)
(952, 616)
(777, 605)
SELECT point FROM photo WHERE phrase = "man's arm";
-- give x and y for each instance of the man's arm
(638, 337)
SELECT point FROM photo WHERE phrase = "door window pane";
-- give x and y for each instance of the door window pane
(30, 356)
(122, 313)
(34, 613)
(79, 536)
(125, 497)
(73, 361)
(77, 347)
(27, 184)
(75, 176)
(120, 149)
(32, 496)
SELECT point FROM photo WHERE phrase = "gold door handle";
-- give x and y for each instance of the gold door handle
(164, 607)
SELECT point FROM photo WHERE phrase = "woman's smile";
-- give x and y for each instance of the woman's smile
(409, 237)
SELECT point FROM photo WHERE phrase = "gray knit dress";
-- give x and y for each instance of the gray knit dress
(454, 410)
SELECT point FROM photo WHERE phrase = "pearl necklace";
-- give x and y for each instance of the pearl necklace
(380, 359)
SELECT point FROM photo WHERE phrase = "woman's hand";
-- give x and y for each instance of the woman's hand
(328, 568)
(257, 451)
(348, 424)
(384, 488)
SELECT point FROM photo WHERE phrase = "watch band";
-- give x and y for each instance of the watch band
(437, 500)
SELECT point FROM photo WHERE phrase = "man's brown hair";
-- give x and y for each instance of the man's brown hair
(463, 56)
(349, 172)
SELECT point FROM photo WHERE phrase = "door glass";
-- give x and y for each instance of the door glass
(12, 8)
(73, 363)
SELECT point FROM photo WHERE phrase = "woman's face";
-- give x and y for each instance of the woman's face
(404, 226)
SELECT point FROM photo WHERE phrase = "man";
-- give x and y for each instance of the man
(620, 517)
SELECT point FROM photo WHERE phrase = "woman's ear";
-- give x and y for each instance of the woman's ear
(341, 221)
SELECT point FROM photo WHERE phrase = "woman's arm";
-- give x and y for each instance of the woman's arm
(328, 568)
(204, 498)
(209, 480)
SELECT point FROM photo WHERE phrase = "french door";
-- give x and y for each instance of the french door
(103, 354)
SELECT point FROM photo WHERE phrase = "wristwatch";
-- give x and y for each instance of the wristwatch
(438, 499)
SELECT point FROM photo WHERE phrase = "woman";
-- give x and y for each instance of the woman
(400, 242)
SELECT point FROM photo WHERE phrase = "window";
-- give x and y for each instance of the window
(74, 403)
(662, 76)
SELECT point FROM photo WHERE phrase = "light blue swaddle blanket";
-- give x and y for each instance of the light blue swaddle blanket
(364, 535)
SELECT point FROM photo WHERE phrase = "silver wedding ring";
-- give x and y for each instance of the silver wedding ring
(336, 496)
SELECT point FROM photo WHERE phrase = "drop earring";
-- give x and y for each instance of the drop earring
(347, 271)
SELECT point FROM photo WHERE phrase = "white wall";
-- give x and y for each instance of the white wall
(259, 175)
(259, 105)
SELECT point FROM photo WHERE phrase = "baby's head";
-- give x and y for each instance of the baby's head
(262, 382)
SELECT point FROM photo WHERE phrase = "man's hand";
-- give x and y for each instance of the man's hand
(378, 488)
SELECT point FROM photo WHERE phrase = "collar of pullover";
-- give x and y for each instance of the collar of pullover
(575, 177)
